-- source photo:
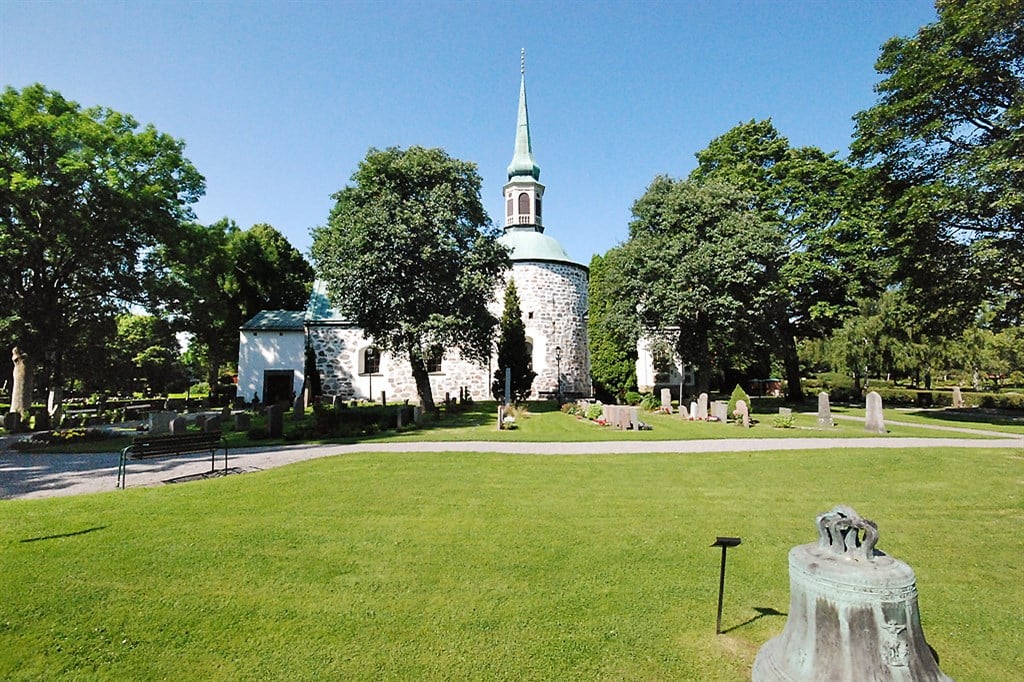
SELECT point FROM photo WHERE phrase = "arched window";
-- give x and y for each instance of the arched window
(524, 204)
(371, 361)
(508, 206)
(529, 352)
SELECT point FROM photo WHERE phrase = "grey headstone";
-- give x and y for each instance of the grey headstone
(243, 421)
(178, 426)
(201, 421)
(299, 407)
(873, 419)
(337, 401)
(225, 413)
(275, 421)
(634, 418)
(212, 424)
(958, 398)
(12, 422)
(720, 409)
(160, 422)
(785, 412)
(417, 413)
(702, 406)
(824, 410)
(742, 412)
(682, 410)
(398, 418)
(666, 399)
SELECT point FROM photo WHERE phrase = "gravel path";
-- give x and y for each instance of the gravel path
(35, 475)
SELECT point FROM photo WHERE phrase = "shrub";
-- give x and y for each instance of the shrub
(738, 394)
(633, 398)
(594, 411)
(650, 402)
(783, 421)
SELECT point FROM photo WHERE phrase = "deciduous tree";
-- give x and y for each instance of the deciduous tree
(410, 255)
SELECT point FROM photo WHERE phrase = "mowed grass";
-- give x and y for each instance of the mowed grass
(495, 567)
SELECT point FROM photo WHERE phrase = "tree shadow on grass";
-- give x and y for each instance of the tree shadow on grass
(973, 415)
(762, 611)
(64, 535)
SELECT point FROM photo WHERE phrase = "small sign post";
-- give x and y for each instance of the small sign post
(724, 543)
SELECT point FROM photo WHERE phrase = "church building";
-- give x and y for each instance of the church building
(553, 297)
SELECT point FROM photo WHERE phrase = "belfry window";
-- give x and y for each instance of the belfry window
(538, 207)
(524, 204)
(508, 207)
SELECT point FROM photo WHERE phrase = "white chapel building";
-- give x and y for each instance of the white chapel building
(553, 297)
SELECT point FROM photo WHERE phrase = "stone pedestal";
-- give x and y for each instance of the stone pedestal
(852, 613)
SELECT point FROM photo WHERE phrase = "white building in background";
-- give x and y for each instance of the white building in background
(552, 293)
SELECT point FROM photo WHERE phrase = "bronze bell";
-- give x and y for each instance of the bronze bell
(852, 612)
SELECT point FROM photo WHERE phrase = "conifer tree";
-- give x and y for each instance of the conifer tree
(512, 350)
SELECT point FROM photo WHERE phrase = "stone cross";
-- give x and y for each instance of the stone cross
(873, 421)
(824, 410)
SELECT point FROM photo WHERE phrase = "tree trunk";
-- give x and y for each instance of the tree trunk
(702, 357)
(791, 361)
(422, 378)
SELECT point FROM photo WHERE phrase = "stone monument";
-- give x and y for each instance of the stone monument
(958, 398)
(824, 410)
(873, 421)
(852, 612)
(666, 401)
(742, 413)
(160, 422)
(702, 407)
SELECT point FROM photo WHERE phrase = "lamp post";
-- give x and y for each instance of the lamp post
(371, 361)
(558, 374)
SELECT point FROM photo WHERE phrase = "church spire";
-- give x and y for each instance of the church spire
(523, 163)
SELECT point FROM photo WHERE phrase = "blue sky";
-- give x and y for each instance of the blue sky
(279, 101)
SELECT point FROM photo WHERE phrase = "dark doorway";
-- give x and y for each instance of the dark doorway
(277, 386)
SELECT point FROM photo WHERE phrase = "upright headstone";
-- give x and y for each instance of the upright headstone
(299, 407)
(824, 410)
(853, 612)
(417, 414)
(742, 413)
(682, 410)
(178, 426)
(212, 424)
(702, 406)
(200, 421)
(243, 421)
(55, 405)
(720, 410)
(225, 413)
(12, 422)
(785, 412)
(275, 421)
(501, 416)
(21, 392)
(634, 418)
(958, 398)
(693, 409)
(398, 418)
(666, 400)
(873, 419)
(160, 422)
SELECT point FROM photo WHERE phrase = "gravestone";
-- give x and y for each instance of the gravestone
(212, 424)
(160, 422)
(225, 413)
(239, 403)
(682, 410)
(54, 405)
(243, 421)
(958, 398)
(12, 422)
(417, 414)
(785, 412)
(873, 420)
(299, 407)
(666, 400)
(178, 426)
(742, 413)
(634, 418)
(398, 418)
(720, 410)
(702, 406)
(275, 421)
(824, 410)
(201, 421)
(21, 392)
(853, 612)
(693, 409)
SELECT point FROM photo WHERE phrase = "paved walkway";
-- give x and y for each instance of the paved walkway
(24, 475)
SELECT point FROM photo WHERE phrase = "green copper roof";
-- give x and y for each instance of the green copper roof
(275, 320)
(523, 162)
(528, 244)
(319, 309)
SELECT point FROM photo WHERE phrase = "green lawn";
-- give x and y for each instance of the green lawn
(483, 566)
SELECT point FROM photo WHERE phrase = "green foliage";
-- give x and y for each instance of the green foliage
(783, 421)
(410, 256)
(84, 193)
(512, 350)
(611, 330)
(594, 411)
(738, 394)
(944, 140)
(633, 398)
(650, 402)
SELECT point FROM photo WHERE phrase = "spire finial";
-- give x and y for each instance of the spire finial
(522, 61)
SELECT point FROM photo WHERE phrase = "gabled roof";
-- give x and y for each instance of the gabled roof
(276, 320)
(319, 308)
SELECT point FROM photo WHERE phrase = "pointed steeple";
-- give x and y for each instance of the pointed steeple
(523, 162)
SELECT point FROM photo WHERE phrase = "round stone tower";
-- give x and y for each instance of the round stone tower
(552, 287)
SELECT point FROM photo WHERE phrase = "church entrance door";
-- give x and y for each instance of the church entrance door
(277, 386)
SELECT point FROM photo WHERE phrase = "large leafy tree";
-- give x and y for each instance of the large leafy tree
(410, 255)
(211, 279)
(513, 352)
(946, 143)
(84, 193)
(832, 252)
(611, 328)
(144, 356)
(698, 266)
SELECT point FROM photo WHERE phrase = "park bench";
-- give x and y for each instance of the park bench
(147, 447)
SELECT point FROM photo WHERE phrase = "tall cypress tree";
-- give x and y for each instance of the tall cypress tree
(512, 350)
